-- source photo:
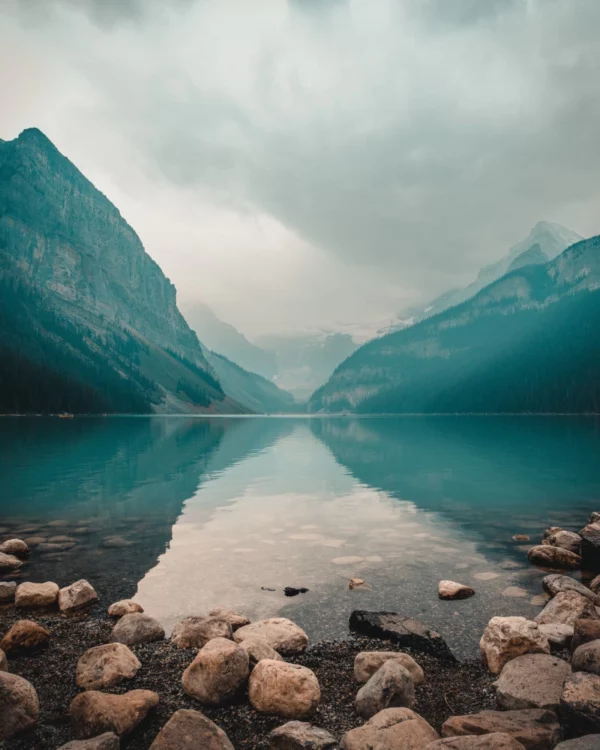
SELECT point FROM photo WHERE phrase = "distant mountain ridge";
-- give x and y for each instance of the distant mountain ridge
(528, 342)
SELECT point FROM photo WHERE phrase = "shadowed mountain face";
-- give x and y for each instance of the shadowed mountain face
(530, 342)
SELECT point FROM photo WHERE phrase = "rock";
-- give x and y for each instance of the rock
(115, 542)
(354, 583)
(580, 703)
(283, 689)
(299, 735)
(586, 658)
(24, 635)
(367, 663)
(235, 619)
(565, 608)
(590, 546)
(390, 687)
(106, 741)
(19, 706)
(532, 681)
(391, 729)
(399, 629)
(590, 742)
(585, 631)
(554, 557)
(494, 741)
(521, 538)
(3, 661)
(9, 563)
(551, 530)
(505, 638)
(282, 634)
(594, 518)
(7, 591)
(93, 712)
(124, 607)
(76, 597)
(36, 594)
(453, 590)
(16, 547)
(191, 730)
(566, 540)
(137, 628)
(196, 632)
(105, 666)
(559, 636)
(595, 585)
(535, 729)
(218, 672)
(258, 648)
(556, 583)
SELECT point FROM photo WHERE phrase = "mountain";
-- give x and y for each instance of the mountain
(529, 342)
(306, 360)
(88, 321)
(253, 391)
(226, 340)
(551, 239)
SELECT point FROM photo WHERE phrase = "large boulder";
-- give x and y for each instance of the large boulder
(565, 608)
(235, 619)
(401, 630)
(367, 663)
(586, 658)
(495, 741)
(547, 556)
(282, 635)
(532, 681)
(585, 631)
(8, 589)
(580, 703)
(16, 547)
(559, 636)
(9, 563)
(30, 595)
(300, 735)
(566, 540)
(390, 687)
(258, 648)
(93, 713)
(555, 583)
(283, 689)
(589, 742)
(505, 638)
(590, 546)
(76, 597)
(218, 672)
(535, 729)
(454, 590)
(105, 666)
(19, 706)
(391, 729)
(105, 741)
(24, 635)
(196, 632)
(137, 628)
(124, 607)
(191, 730)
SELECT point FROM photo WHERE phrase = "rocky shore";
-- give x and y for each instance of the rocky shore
(73, 676)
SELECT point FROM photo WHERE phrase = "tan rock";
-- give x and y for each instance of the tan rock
(565, 608)
(9, 563)
(559, 636)
(495, 741)
(391, 729)
(196, 632)
(93, 713)
(19, 706)
(105, 666)
(300, 735)
(8, 590)
(235, 619)
(551, 530)
(16, 547)
(505, 638)
(390, 687)
(535, 729)
(554, 557)
(191, 730)
(124, 607)
(521, 538)
(282, 634)
(555, 583)
(218, 672)
(567, 540)
(137, 628)
(367, 663)
(36, 594)
(585, 631)
(580, 703)
(76, 597)
(258, 648)
(595, 585)
(24, 635)
(354, 583)
(586, 658)
(105, 741)
(454, 590)
(532, 681)
(283, 689)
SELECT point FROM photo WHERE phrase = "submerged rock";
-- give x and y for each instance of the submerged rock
(19, 705)
(505, 638)
(124, 607)
(300, 735)
(24, 635)
(105, 666)
(454, 590)
(31, 595)
(191, 730)
(282, 635)
(390, 687)
(137, 628)
(76, 597)
(196, 632)
(367, 663)
(391, 729)
(218, 672)
(93, 713)
(554, 557)
(532, 681)
(535, 729)
(282, 689)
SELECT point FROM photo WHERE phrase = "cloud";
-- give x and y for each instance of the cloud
(397, 145)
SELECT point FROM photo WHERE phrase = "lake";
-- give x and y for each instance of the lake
(186, 513)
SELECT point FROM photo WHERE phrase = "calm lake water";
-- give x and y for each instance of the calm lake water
(210, 511)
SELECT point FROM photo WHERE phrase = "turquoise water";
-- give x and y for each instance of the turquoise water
(216, 511)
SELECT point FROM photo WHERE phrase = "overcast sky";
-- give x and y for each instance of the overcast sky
(317, 163)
